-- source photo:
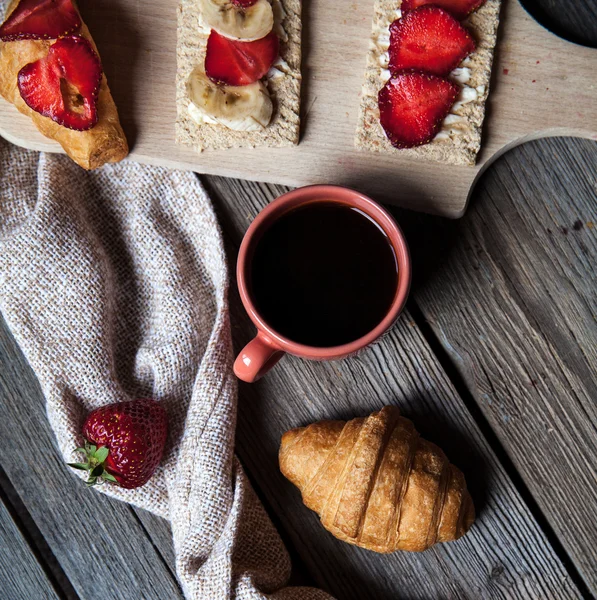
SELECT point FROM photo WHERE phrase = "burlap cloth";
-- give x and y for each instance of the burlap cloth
(114, 284)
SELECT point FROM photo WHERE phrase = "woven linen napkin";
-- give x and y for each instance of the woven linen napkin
(114, 284)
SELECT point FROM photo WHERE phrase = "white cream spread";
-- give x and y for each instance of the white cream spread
(468, 94)
(444, 134)
(461, 75)
(202, 26)
(380, 36)
(383, 41)
(278, 69)
(279, 16)
(452, 119)
(200, 117)
(380, 39)
(454, 123)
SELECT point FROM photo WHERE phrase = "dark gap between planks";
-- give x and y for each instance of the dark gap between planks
(157, 549)
(35, 539)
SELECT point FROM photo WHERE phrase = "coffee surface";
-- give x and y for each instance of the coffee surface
(323, 275)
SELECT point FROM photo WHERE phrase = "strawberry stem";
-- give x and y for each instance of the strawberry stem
(95, 465)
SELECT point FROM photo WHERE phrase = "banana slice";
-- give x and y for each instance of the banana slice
(242, 108)
(248, 24)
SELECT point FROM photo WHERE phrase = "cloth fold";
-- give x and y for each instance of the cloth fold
(115, 286)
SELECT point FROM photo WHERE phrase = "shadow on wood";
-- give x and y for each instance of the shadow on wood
(505, 549)
(460, 449)
(122, 78)
(513, 306)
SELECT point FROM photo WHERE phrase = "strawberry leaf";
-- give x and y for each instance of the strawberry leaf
(80, 466)
(96, 472)
(101, 454)
(109, 477)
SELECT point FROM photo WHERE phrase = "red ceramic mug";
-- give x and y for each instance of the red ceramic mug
(268, 346)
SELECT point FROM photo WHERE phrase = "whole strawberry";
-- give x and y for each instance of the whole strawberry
(125, 442)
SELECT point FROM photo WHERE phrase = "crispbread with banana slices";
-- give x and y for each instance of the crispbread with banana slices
(459, 140)
(283, 86)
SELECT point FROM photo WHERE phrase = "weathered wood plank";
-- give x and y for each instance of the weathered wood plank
(76, 523)
(505, 555)
(574, 20)
(160, 533)
(21, 575)
(35, 539)
(511, 293)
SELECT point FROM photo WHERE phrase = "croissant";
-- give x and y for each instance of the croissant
(376, 484)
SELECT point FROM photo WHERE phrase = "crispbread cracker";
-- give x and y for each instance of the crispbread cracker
(460, 139)
(283, 129)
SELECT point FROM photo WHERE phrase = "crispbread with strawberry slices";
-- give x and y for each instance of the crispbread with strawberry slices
(459, 140)
(284, 90)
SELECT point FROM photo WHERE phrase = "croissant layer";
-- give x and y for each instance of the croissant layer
(376, 484)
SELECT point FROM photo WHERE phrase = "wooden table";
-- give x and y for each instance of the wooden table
(495, 359)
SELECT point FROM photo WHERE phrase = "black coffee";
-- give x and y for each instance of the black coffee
(323, 275)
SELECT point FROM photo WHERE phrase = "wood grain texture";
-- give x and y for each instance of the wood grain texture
(511, 293)
(504, 556)
(539, 83)
(77, 524)
(35, 539)
(21, 574)
(160, 533)
(573, 20)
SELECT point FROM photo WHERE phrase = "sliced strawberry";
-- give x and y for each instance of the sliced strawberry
(412, 106)
(429, 39)
(243, 3)
(459, 8)
(64, 85)
(239, 63)
(40, 19)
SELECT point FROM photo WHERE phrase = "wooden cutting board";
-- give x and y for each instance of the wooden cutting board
(541, 86)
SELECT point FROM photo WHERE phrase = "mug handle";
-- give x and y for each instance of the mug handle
(256, 359)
